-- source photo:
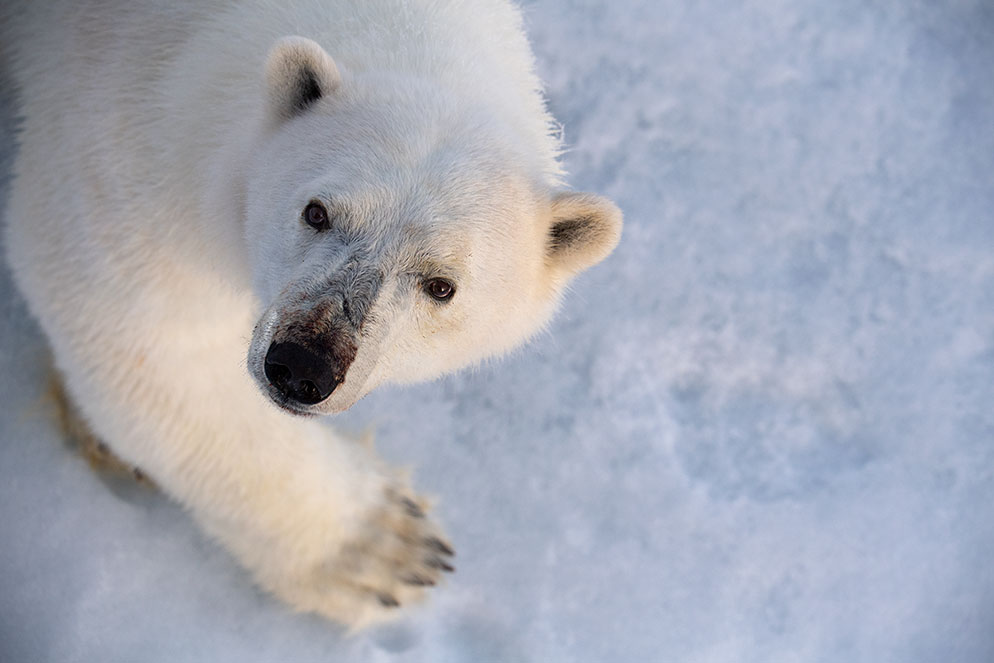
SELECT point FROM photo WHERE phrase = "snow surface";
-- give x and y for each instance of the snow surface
(763, 430)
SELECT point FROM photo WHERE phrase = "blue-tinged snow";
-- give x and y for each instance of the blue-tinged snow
(762, 431)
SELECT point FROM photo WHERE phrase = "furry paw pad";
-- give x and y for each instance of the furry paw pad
(400, 553)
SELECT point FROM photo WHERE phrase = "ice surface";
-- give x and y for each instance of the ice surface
(762, 431)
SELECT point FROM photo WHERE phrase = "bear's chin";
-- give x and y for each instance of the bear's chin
(288, 405)
(325, 407)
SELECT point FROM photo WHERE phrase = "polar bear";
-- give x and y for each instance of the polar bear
(230, 216)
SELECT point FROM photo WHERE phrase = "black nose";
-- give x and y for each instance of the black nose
(300, 374)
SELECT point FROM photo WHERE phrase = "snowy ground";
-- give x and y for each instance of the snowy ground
(762, 431)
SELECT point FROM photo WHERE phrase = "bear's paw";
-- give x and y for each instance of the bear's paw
(395, 555)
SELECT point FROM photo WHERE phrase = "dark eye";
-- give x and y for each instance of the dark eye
(316, 216)
(440, 289)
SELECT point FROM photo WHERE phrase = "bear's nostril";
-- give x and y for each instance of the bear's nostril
(278, 374)
(307, 392)
(300, 374)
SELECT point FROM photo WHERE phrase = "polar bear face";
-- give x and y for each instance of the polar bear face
(396, 235)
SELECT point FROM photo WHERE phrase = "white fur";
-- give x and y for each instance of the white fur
(154, 229)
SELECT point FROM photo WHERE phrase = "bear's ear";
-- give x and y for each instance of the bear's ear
(585, 228)
(298, 73)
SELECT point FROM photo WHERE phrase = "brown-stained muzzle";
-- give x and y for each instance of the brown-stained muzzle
(316, 342)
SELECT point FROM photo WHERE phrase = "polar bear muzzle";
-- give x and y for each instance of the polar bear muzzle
(305, 375)
(315, 341)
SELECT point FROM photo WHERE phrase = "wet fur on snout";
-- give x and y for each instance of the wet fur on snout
(328, 317)
(324, 330)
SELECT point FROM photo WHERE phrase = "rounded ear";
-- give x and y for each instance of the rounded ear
(298, 73)
(585, 228)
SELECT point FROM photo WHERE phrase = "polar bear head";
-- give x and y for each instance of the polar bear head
(396, 233)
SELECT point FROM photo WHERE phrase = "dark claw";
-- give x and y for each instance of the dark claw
(387, 601)
(439, 563)
(413, 510)
(438, 545)
(418, 581)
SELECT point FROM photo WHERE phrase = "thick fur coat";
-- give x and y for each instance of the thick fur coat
(230, 215)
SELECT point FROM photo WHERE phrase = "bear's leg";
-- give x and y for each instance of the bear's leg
(316, 517)
(77, 432)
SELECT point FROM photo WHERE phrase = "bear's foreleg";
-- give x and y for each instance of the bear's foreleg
(316, 517)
